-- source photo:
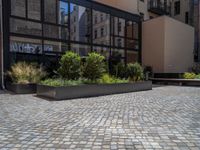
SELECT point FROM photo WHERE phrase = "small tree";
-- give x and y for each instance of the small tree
(70, 66)
(94, 66)
(135, 72)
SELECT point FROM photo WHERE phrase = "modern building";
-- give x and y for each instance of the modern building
(42, 30)
(197, 29)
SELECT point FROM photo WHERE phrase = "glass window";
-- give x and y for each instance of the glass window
(25, 45)
(53, 31)
(103, 51)
(101, 28)
(34, 9)
(82, 23)
(25, 27)
(82, 50)
(117, 53)
(132, 44)
(52, 46)
(18, 8)
(132, 56)
(50, 11)
(63, 13)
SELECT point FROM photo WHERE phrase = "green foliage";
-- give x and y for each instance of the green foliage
(197, 76)
(120, 70)
(61, 82)
(107, 79)
(94, 66)
(189, 75)
(24, 73)
(70, 66)
(135, 72)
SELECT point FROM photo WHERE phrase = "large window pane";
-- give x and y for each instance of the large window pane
(50, 11)
(132, 56)
(82, 50)
(101, 28)
(132, 44)
(18, 8)
(118, 32)
(63, 13)
(25, 27)
(51, 46)
(25, 45)
(34, 9)
(57, 32)
(118, 26)
(103, 51)
(80, 23)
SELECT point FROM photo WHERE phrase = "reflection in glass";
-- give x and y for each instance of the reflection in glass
(34, 9)
(132, 56)
(103, 51)
(18, 8)
(101, 28)
(25, 45)
(50, 11)
(52, 31)
(25, 27)
(80, 20)
(82, 50)
(63, 13)
(51, 46)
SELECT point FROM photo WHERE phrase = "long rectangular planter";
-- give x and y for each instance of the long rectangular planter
(21, 88)
(82, 91)
(169, 81)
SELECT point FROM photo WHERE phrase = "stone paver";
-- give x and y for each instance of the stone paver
(164, 118)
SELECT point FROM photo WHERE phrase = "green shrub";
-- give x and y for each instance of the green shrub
(61, 82)
(197, 76)
(24, 73)
(135, 72)
(70, 66)
(120, 70)
(94, 66)
(107, 79)
(189, 75)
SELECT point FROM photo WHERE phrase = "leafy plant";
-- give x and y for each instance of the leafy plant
(94, 66)
(189, 75)
(197, 76)
(61, 82)
(70, 66)
(135, 72)
(120, 70)
(107, 79)
(24, 73)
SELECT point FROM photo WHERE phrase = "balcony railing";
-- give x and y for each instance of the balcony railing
(158, 7)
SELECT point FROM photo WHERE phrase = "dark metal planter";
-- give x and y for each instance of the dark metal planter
(82, 91)
(21, 88)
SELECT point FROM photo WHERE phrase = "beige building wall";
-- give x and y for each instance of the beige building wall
(126, 5)
(179, 46)
(153, 44)
(167, 45)
(184, 7)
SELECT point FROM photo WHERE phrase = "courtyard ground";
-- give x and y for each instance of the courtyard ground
(164, 118)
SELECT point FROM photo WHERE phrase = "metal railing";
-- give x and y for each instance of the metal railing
(158, 7)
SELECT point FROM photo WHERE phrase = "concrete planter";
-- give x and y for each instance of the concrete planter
(21, 88)
(82, 91)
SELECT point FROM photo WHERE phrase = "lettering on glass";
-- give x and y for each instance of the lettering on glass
(25, 48)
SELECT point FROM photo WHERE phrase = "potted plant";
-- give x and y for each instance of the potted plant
(78, 80)
(24, 77)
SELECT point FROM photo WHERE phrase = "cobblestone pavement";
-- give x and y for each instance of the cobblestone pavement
(164, 118)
